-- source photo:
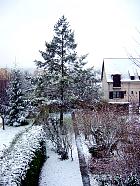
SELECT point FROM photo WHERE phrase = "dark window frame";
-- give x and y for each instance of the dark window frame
(111, 95)
(117, 94)
(132, 77)
(116, 80)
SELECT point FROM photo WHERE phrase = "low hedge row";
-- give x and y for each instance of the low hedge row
(32, 175)
(21, 165)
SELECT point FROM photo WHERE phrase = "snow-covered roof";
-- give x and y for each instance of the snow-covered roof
(123, 66)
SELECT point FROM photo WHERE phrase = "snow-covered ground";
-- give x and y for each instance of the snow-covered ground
(14, 166)
(63, 173)
(7, 135)
(60, 173)
(54, 172)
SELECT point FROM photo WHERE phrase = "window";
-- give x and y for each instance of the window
(131, 92)
(116, 80)
(111, 95)
(132, 77)
(116, 94)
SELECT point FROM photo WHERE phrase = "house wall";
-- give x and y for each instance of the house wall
(126, 69)
(105, 87)
(132, 89)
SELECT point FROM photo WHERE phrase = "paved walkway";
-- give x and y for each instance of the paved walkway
(60, 173)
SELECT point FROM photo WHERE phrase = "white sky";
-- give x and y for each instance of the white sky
(103, 28)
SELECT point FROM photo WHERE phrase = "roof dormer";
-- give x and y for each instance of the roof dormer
(116, 80)
(132, 77)
(132, 74)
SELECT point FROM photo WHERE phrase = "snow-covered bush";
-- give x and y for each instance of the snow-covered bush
(15, 165)
(17, 106)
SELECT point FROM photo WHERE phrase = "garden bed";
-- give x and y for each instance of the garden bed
(124, 159)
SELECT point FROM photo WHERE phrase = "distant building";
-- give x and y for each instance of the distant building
(4, 79)
(120, 80)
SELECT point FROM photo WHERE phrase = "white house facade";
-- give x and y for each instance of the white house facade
(121, 80)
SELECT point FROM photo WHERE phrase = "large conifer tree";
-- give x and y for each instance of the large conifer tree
(59, 55)
(62, 67)
(16, 112)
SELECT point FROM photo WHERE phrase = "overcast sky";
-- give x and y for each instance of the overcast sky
(103, 28)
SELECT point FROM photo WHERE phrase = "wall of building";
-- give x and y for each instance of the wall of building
(105, 87)
(132, 89)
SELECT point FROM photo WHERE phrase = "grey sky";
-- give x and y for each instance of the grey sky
(103, 28)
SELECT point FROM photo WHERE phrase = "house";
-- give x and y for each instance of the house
(121, 80)
(4, 79)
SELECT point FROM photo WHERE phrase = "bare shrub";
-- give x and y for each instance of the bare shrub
(131, 151)
(130, 180)
(103, 130)
(113, 139)
(60, 137)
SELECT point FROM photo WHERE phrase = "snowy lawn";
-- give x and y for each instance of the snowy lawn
(7, 135)
(60, 173)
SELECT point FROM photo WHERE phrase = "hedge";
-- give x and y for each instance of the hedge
(21, 165)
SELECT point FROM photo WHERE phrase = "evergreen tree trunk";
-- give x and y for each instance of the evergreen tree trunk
(61, 116)
(62, 83)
